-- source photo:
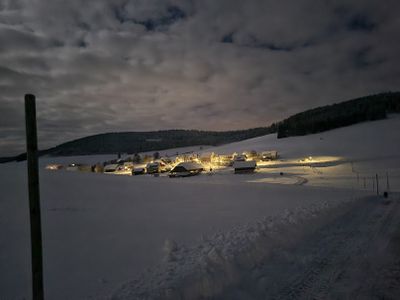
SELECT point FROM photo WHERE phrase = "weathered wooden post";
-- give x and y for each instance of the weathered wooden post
(34, 198)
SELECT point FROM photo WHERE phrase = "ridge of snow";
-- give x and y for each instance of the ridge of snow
(195, 272)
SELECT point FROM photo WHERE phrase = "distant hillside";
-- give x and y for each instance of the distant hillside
(7, 159)
(135, 142)
(311, 121)
(346, 113)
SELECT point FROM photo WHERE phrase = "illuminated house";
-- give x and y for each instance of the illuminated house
(157, 166)
(269, 155)
(153, 167)
(54, 167)
(112, 168)
(223, 159)
(185, 169)
(206, 157)
(138, 170)
(246, 166)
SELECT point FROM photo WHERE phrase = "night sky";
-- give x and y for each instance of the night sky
(106, 66)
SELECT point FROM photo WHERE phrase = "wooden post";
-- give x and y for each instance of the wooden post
(377, 184)
(34, 198)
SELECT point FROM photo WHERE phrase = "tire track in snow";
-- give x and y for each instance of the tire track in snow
(331, 265)
(347, 254)
(340, 260)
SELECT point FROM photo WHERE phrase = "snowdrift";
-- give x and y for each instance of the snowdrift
(203, 271)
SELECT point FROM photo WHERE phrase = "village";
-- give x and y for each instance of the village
(179, 165)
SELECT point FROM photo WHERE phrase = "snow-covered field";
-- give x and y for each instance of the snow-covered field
(100, 231)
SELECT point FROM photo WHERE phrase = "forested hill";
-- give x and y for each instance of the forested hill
(311, 121)
(346, 113)
(134, 142)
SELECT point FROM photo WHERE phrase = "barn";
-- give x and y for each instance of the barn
(246, 166)
(185, 169)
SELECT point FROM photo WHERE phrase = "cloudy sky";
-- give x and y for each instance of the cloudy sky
(103, 66)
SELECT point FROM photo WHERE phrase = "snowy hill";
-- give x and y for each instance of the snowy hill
(365, 140)
(100, 231)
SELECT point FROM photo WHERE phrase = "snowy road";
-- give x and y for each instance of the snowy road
(354, 256)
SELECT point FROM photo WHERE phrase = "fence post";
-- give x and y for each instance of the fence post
(377, 184)
(34, 198)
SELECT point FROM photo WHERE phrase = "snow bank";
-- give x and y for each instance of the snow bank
(205, 269)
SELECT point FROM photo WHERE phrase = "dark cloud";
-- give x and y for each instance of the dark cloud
(171, 15)
(361, 22)
(120, 65)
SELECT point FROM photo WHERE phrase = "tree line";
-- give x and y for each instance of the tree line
(374, 107)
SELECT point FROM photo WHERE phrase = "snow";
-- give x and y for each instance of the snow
(100, 231)
(360, 141)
